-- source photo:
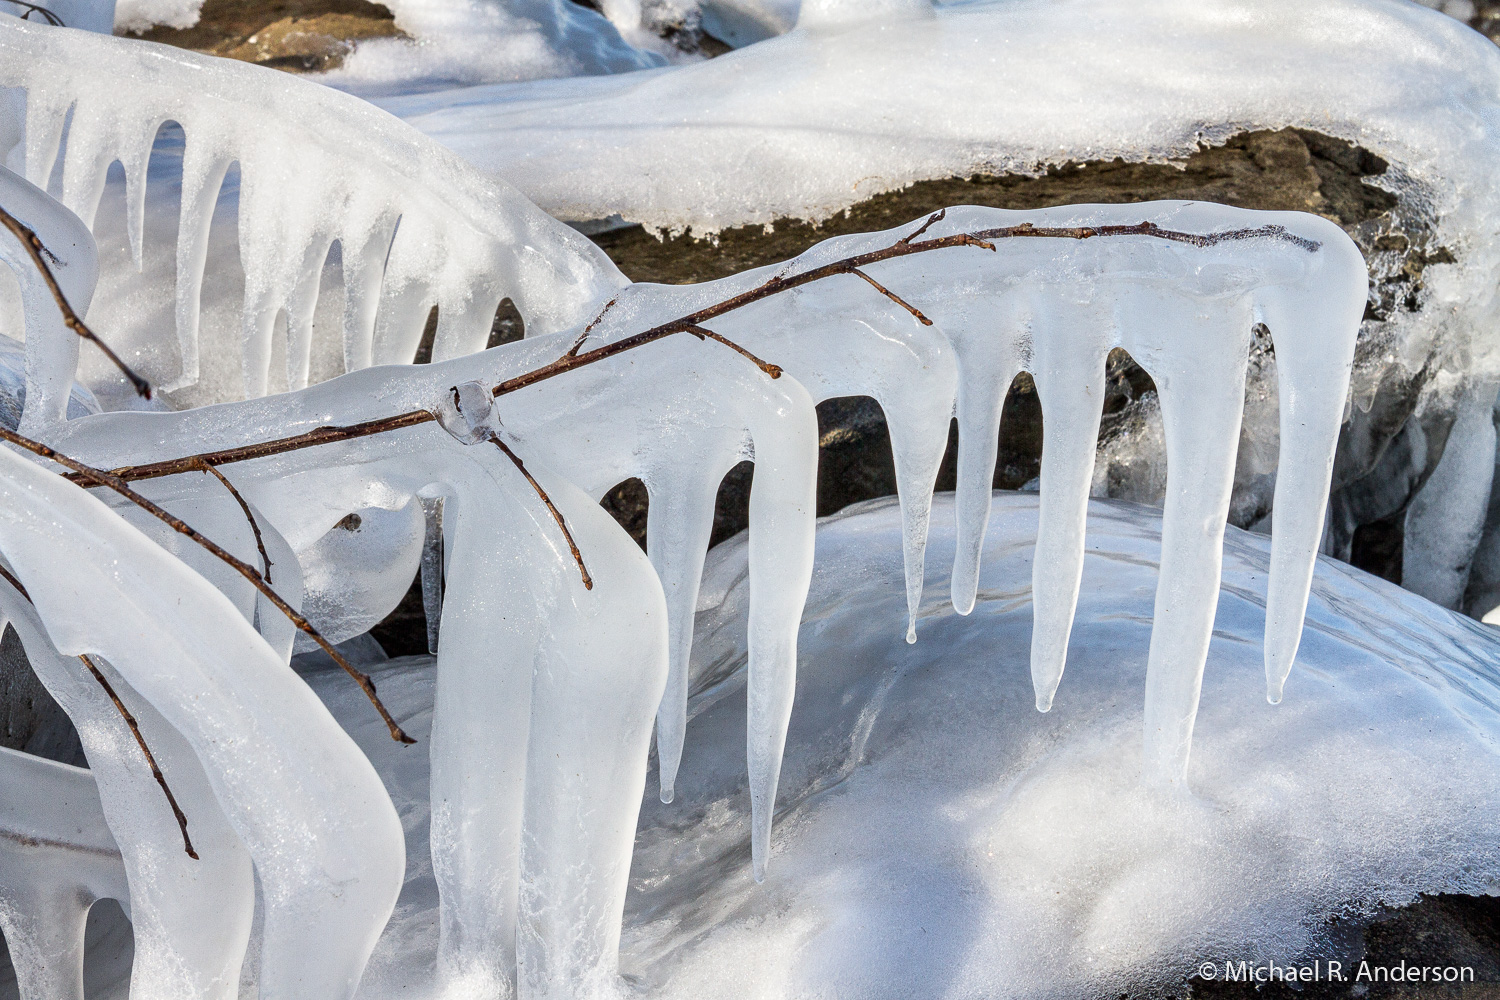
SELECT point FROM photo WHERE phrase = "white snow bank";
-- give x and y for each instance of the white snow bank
(460, 42)
(939, 837)
(143, 15)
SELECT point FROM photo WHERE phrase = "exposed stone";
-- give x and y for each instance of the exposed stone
(294, 35)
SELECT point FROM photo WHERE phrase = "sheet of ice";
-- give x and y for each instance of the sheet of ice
(463, 243)
(941, 838)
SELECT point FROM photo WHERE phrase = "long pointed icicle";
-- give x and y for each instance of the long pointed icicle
(1069, 350)
(1198, 364)
(1314, 330)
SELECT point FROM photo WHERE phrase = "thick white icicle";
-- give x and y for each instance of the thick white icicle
(191, 916)
(56, 858)
(472, 240)
(51, 348)
(314, 816)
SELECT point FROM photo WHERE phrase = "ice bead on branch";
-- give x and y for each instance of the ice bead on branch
(416, 225)
(56, 858)
(309, 809)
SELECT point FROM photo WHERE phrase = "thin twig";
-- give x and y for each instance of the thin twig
(932, 220)
(259, 542)
(101, 478)
(35, 249)
(135, 729)
(772, 370)
(588, 329)
(894, 297)
(32, 8)
(773, 286)
(583, 571)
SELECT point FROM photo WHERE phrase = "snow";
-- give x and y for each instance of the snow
(938, 836)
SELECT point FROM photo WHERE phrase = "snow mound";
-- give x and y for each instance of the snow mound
(939, 837)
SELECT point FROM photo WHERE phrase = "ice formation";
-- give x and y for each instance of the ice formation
(1071, 81)
(1055, 307)
(938, 837)
(416, 226)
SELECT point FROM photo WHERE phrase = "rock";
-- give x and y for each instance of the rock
(294, 35)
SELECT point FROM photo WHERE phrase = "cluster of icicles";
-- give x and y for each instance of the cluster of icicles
(549, 673)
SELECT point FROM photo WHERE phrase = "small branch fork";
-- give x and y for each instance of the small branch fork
(32, 8)
(135, 729)
(35, 250)
(99, 477)
(259, 542)
(573, 358)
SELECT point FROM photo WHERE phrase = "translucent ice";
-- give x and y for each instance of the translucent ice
(463, 243)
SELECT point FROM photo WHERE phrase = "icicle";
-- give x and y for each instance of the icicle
(135, 157)
(86, 163)
(313, 803)
(1196, 358)
(364, 270)
(203, 171)
(46, 114)
(56, 858)
(191, 915)
(1314, 329)
(464, 326)
(51, 347)
(995, 345)
(1070, 341)
(299, 307)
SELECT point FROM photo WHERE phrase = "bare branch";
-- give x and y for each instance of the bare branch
(259, 542)
(101, 478)
(572, 351)
(583, 571)
(35, 250)
(772, 370)
(932, 220)
(135, 729)
(893, 297)
(773, 286)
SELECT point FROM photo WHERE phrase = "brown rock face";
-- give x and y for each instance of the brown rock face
(295, 35)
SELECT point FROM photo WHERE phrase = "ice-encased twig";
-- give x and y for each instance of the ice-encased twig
(312, 813)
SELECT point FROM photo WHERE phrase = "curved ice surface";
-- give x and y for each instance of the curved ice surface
(56, 858)
(295, 790)
(939, 837)
(416, 225)
(51, 348)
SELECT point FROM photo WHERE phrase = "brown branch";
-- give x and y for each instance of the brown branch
(932, 219)
(259, 542)
(772, 370)
(583, 571)
(894, 298)
(35, 250)
(773, 286)
(135, 729)
(572, 351)
(101, 478)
